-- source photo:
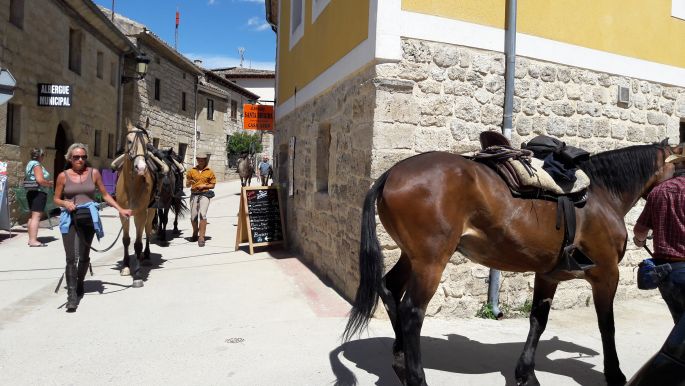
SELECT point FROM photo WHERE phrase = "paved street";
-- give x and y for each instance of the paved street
(214, 316)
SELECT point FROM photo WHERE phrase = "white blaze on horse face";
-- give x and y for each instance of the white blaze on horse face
(141, 166)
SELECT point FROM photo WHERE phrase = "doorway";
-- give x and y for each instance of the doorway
(61, 146)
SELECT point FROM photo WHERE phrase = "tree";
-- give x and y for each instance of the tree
(240, 143)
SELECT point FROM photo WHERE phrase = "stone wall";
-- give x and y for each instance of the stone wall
(440, 97)
(323, 225)
(39, 53)
(168, 121)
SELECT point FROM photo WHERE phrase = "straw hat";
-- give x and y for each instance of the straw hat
(675, 158)
(203, 153)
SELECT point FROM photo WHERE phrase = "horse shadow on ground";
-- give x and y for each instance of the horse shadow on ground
(46, 239)
(142, 269)
(459, 354)
(90, 287)
(170, 236)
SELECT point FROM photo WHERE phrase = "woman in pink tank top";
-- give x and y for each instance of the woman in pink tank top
(75, 192)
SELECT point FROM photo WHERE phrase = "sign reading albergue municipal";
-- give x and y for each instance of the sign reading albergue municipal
(54, 95)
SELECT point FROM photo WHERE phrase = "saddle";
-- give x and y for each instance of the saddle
(527, 177)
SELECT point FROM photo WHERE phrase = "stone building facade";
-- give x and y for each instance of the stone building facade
(440, 97)
(165, 100)
(226, 100)
(63, 43)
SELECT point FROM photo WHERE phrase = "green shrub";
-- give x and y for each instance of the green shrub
(485, 312)
(240, 143)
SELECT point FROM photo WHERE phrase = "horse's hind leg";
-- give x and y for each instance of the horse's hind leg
(543, 294)
(391, 291)
(148, 232)
(423, 282)
(604, 286)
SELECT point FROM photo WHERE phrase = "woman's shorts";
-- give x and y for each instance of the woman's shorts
(37, 200)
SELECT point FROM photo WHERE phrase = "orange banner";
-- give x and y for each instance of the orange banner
(258, 117)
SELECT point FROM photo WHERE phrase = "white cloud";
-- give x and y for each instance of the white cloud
(219, 61)
(258, 24)
(211, 2)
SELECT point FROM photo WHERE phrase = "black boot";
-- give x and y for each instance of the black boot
(72, 298)
(82, 270)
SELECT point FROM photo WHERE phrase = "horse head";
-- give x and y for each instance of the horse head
(665, 170)
(137, 140)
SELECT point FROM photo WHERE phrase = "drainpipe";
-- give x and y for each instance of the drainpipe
(197, 82)
(120, 103)
(510, 57)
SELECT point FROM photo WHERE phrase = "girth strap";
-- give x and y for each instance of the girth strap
(570, 257)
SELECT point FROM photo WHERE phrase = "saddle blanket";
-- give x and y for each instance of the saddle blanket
(539, 178)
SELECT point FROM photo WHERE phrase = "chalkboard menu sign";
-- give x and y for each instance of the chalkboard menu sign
(260, 218)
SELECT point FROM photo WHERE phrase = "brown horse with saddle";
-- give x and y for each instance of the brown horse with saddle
(434, 204)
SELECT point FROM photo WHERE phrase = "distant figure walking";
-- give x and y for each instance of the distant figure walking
(265, 171)
(36, 182)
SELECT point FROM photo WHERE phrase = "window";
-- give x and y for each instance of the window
(158, 89)
(75, 41)
(317, 7)
(17, 13)
(155, 143)
(323, 147)
(182, 148)
(682, 131)
(210, 109)
(678, 9)
(183, 101)
(184, 75)
(13, 124)
(98, 140)
(296, 21)
(99, 69)
(111, 145)
(234, 110)
(113, 74)
(158, 60)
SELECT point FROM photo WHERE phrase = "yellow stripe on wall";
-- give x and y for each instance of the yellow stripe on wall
(341, 26)
(635, 28)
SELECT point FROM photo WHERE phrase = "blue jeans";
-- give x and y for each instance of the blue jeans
(673, 291)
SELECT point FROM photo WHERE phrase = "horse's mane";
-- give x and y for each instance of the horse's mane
(623, 170)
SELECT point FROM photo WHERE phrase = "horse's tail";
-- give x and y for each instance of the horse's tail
(179, 206)
(370, 264)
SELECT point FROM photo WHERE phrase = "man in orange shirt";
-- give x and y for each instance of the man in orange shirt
(201, 181)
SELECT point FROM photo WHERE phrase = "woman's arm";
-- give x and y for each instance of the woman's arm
(97, 178)
(38, 173)
(59, 189)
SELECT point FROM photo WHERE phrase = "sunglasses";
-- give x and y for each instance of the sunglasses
(79, 157)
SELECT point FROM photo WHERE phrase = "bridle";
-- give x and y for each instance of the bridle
(141, 138)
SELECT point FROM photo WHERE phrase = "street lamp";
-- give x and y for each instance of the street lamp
(142, 62)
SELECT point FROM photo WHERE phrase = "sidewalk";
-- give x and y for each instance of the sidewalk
(214, 316)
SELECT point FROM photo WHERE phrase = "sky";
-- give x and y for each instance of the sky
(211, 30)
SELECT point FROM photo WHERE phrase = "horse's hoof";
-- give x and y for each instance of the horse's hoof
(137, 283)
(125, 271)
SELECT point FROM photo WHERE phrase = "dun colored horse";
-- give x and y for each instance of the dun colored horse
(434, 204)
(246, 169)
(135, 190)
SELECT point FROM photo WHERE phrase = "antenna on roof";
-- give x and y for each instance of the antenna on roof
(241, 51)
(112, 10)
(178, 19)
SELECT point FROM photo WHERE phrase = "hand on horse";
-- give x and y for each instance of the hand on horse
(125, 213)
